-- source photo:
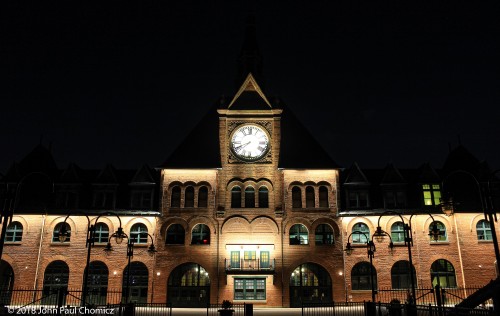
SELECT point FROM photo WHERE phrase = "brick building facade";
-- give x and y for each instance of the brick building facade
(249, 208)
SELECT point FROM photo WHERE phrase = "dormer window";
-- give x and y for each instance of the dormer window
(394, 199)
(67, 199)
(431, 194)
(141, 199)
(104, 199)
(358, 199)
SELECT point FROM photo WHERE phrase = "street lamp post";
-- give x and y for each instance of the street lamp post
(487, 206)
(370, 247)
(130, 254)
(408, 240)
(63, 234)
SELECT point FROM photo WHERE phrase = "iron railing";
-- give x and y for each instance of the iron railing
(213, 309)
(250, 265)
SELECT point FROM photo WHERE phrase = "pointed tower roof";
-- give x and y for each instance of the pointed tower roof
(298, 148)
(427, 174)
(200, 149)
(250, 58)
(250, 96)
(460, 159)
(39, 159)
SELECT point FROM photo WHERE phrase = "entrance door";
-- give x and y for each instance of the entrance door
(235, 259)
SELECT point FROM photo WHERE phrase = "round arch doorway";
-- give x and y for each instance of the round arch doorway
(310, 283)
(6, 282)
(188, 286)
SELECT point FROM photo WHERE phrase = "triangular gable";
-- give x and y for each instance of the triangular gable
(427, 174)
(355, 175)
(107, 175)
(71, 174)
(143, 175)
(250, 97)
(392, 175)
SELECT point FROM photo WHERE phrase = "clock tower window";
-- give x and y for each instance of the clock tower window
(175, 197)
(236, 197)
(189, 197)
(296, 197)
(203, 197)
(249, 197)
(263, 197)
(310, 198)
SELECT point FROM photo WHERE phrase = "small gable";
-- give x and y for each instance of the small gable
(107, 175)
(392, 175)
(143, 175)
(356, 176)
(71, 174)
(426, 174)
(250, 97)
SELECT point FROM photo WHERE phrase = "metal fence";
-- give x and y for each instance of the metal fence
(213, 309)
(333, 309)
(426, 296)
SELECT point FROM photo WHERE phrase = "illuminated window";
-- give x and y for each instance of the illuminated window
(14, 232)
(249, 197)
(263, 197)
(363, 234)
(443, 274)
(483, 230)
(324, 235)
(296, 197)
(310, 199)
(57, 229)
(175, 197)
(361, 276)
(236, 197)
(299, 235)
(139, 233)
(203, 197)
(249, 289)
(101, 233)
(398, 232)
(432, 194)
(189, 197)
(323, 196)
(200, 235)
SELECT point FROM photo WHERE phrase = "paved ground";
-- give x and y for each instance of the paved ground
(256, 311)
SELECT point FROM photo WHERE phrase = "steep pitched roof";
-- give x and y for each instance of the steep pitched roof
(356, 175)
(392, 175)
(107, 175)
(250, 96)
(143, 175)
(299, 149)
(71, 174)
(200, 149)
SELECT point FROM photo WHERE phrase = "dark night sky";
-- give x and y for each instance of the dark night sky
(374, 83)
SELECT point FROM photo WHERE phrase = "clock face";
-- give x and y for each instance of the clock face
(249, 142)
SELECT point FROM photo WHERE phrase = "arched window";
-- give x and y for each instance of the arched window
(483, 230)
(358, 238)
(249, 197)
(175, 235)
(361, 277)
(442, 232)
(299, 235)
(400, 275)
(188, 286)
(137, 283)
(323, 196)
(14, 232)
(236, 197)
(398, 232)
(6, 282)
(57, 229)
(97, 283)
(200, 235)
(101, 233)
(443, 274)
(55, 278)
(175, 198)
(324, 235)
(310, 282)
(189, 199)
(139, 233)
(296, 197)
(263, 197)
(310, 199)
(203, 197)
